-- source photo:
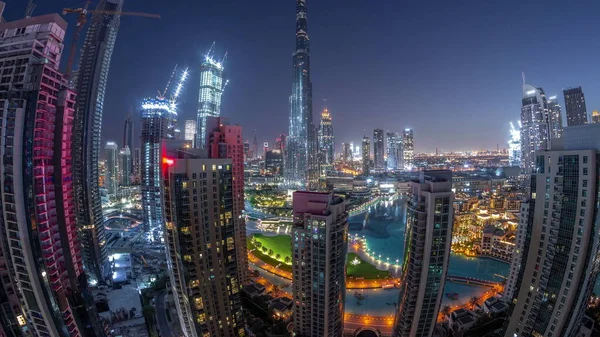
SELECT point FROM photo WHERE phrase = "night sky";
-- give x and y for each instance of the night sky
(451, 70)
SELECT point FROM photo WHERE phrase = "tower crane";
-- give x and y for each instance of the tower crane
(83, 12)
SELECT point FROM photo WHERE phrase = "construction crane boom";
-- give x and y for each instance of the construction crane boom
(81, 21)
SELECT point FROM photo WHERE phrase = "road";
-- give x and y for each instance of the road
(161, 315)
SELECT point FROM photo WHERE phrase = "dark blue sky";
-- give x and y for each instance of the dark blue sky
(451, 70)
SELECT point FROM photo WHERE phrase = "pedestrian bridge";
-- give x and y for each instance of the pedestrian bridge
(470, 281)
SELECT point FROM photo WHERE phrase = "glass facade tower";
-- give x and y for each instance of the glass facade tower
(92, 78)
(209, 99)
(575, 106)
(326, 142)
(301, 125)
(535, 128)
(378, 149)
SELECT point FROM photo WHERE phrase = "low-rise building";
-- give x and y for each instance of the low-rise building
(461, 320)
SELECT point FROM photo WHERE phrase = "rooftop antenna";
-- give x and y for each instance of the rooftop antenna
(325, 102)
(523, 76)
(29, 9)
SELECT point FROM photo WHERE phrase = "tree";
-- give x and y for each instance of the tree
(270, 253)
(473, 302)
(278, 256)
(258, 244)
(446, 310)
(287, 259)
(265, 249)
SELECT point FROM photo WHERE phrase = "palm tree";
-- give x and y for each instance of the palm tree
(446, 310)
(473, 302)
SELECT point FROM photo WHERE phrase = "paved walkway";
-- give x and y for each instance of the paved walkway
(161, 316)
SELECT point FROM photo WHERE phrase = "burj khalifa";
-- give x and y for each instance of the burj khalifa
(302, 135)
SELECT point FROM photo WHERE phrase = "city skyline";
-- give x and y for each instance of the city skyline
(398, 103)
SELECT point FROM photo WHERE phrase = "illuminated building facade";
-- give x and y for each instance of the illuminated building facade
(225, 141)
(366, 155)
(111, 181)
(556, 259)
(209, 99)
(394, 146)
(428, 238)
(137, 161)
(125, 166)
(595, 116)
(301, 125)
(201, 246)
(575, 106)
(189, 132)
(157, 118)
(378, 149)
(326, 142)
(91, 84)
(535, 130)
(555, 118)
(320, 245)
(42, 278)
(408, 149)
(514, 146)
(128, 136)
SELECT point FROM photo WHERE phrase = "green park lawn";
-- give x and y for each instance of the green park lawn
(282, 245)
(363, 270)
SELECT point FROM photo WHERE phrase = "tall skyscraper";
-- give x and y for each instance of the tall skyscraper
(128, 133)
(91, 87)
(535, 130)
(575, 106)
(554, 118)
(378, 149)
(556, 259)
(137, 161)
(189, 133)
(408, 149)
(514, 146)
(366, 155)
(326, 142)
(157, 116)
(112, 167)
(202, 250)
(280, 142)
(209, 99)
(428, 238)
(595, 116)
(301, 118)
(392, 150)
(346, 153)
(225, 141)
(247, 151)
(125, 166)
(42, 279)
(319, 244)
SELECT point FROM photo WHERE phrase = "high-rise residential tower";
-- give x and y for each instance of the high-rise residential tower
(378, 149)
(128, 133)
(91, 87)
(125, 166)
(392, 150)
(157, 116)
(326, 142)
(408, 149)
(556, 257)
(42, 278)
(535, 128)
(212, 86)
(112, 167)
(428, 238)
(137, 161)
(366, 155)
(554, 118)
(225, 141)
(575, 106)
(301, 119)
(346, 153)
(201, 246)
(189, 131)
(319, 244)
